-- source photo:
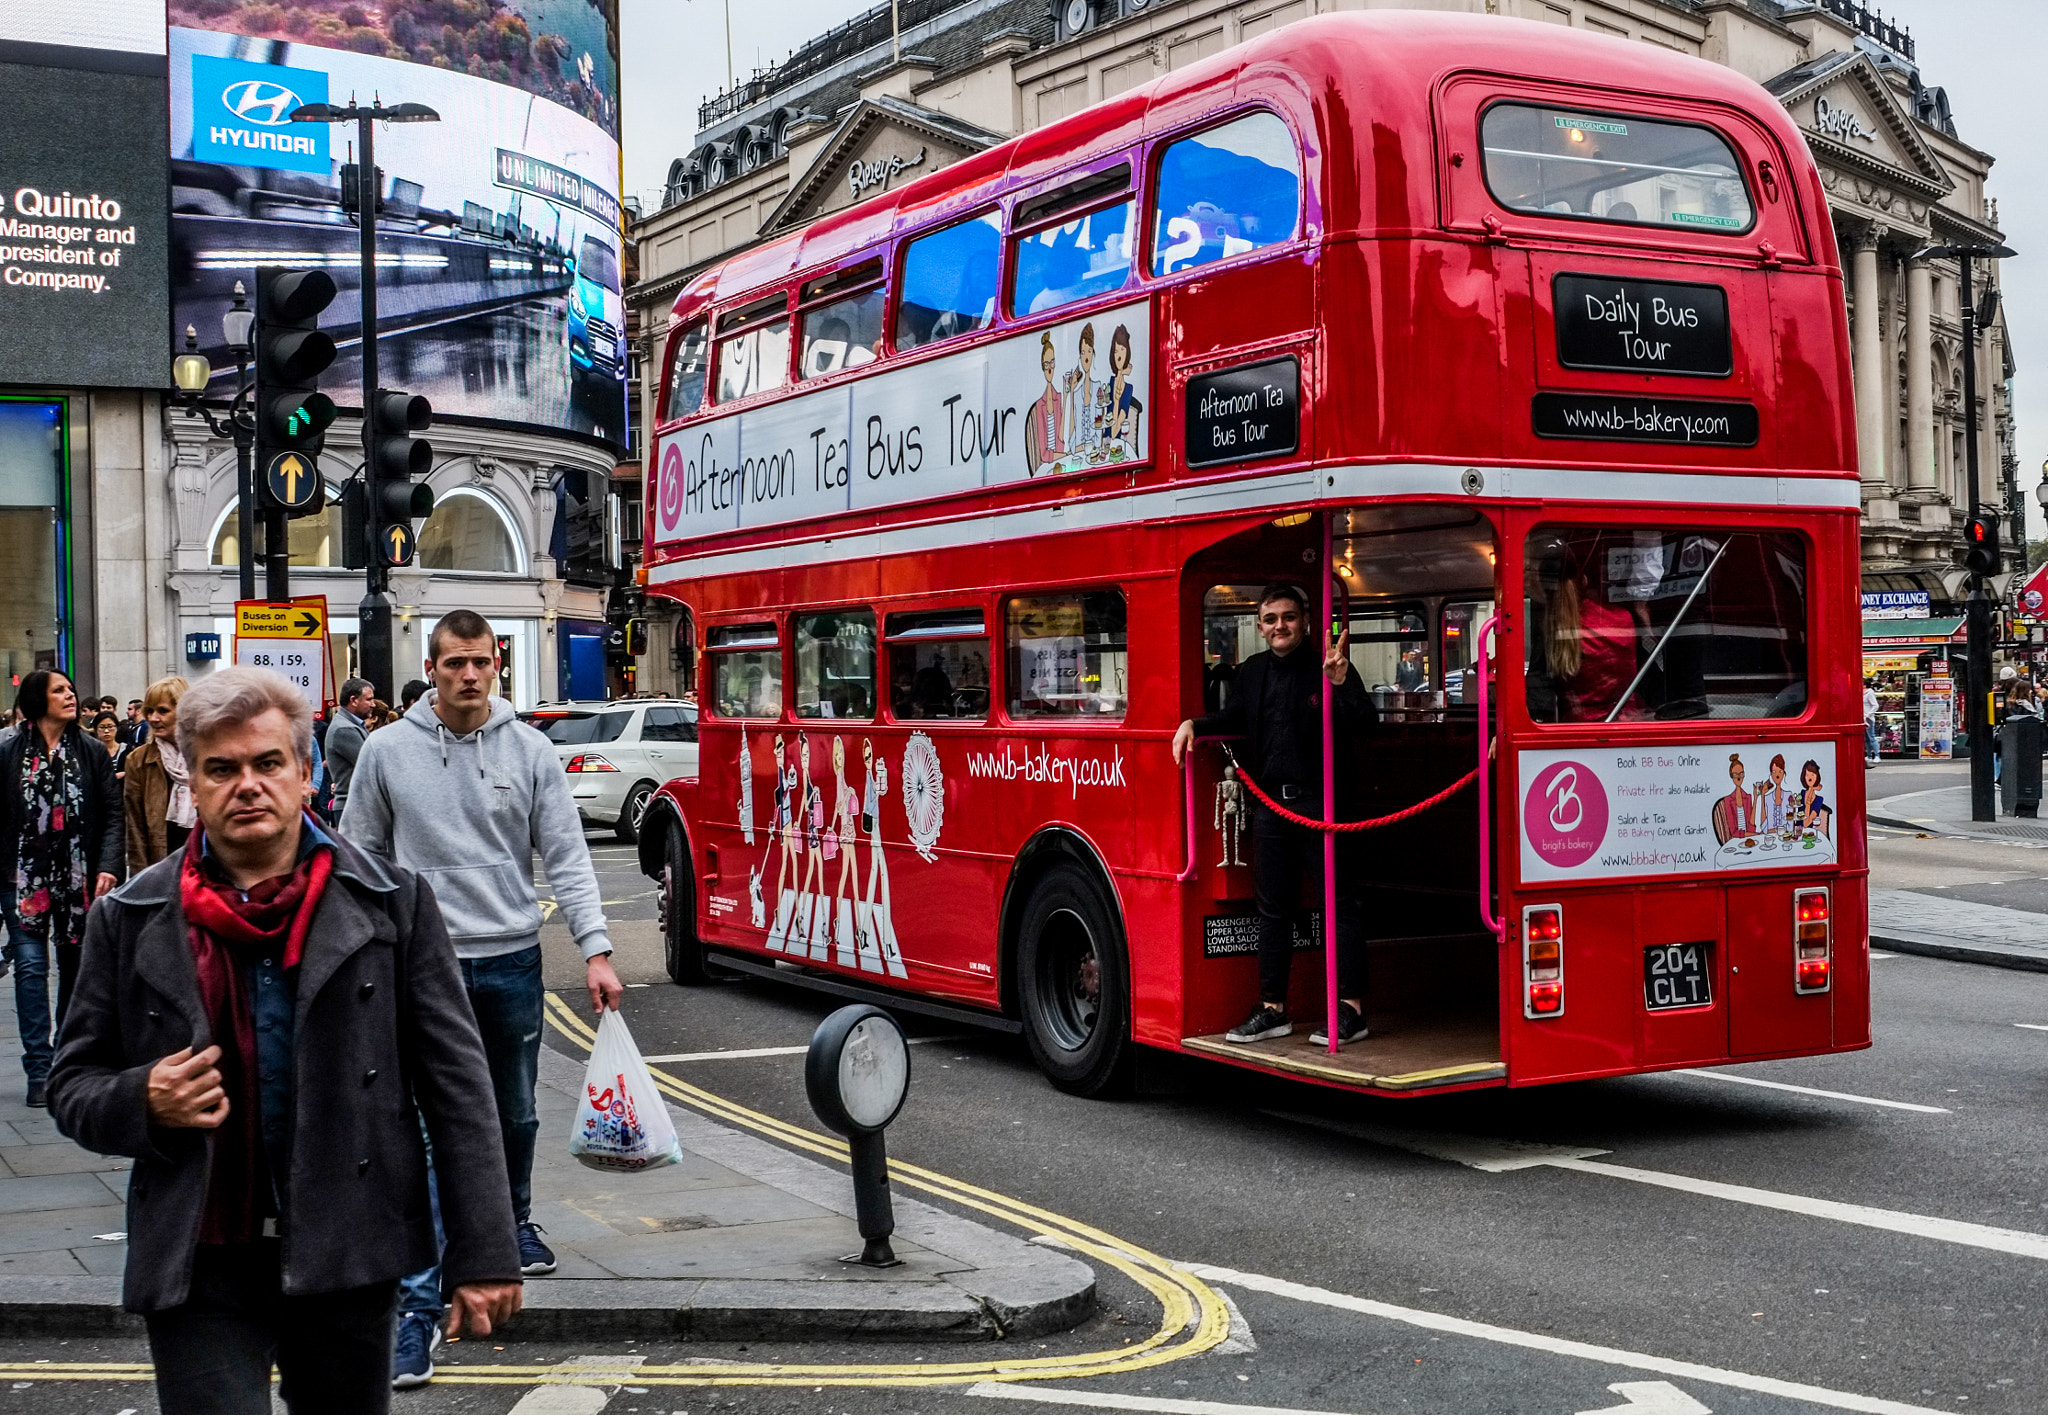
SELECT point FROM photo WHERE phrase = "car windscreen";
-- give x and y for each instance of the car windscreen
(599, 263)
(576, 729)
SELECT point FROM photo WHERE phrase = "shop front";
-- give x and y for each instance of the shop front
(1919, 668)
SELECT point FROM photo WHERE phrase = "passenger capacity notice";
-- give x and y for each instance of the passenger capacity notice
(1613, 813)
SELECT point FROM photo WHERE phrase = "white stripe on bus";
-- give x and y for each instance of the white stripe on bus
(1290, 488)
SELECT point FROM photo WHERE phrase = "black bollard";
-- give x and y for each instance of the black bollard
(857, 1074)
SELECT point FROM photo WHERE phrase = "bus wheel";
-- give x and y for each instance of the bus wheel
(681, 949)
(1073, 983)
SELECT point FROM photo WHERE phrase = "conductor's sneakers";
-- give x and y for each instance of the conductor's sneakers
(1265, 1024)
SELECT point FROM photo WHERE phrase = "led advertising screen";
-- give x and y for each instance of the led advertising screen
(83, 265)
(499, 290)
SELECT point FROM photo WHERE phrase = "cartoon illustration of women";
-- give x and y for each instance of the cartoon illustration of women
(1735, 813)
(1775, 805)
(1044, 425)
(881, 926)
(811, 929)
(1814, 812)
(785, 844)
(1124, 406)
(839, 841)
(1081, 395)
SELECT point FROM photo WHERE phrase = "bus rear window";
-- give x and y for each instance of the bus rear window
(1639, 625)
(1068, 655)
(1613, 167)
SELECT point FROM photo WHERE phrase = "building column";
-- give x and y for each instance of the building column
(1868, 341)
(1920, 458)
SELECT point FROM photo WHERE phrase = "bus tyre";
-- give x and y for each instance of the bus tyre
(1073, 982)
(682, 951)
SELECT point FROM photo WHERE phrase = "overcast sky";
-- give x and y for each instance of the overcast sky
(1986, 53)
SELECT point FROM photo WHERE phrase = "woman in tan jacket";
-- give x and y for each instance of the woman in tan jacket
(156, 791)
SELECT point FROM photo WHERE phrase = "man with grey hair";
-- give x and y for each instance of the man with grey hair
(263, 1021)
(343, 745)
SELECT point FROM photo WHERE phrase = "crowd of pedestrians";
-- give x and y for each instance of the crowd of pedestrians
(312, 1013)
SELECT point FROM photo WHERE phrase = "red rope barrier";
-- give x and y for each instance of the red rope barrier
(1344, 827)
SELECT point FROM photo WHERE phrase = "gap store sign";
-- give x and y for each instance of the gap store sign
(242, 115)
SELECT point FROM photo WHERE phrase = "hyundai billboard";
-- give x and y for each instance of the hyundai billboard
(83, 261)
(499, 294)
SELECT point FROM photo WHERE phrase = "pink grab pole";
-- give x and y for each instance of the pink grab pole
(1329, 695)
(1482, 671)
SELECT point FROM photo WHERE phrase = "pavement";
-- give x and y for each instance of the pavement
(741, 1241)
(2006, 926)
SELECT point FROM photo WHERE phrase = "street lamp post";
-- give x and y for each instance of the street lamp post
(191, 373)
(1983, 791)
(373, 630)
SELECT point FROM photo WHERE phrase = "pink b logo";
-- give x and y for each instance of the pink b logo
(671, 502)
(1565, 816)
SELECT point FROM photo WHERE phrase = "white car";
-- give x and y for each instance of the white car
(617, 753)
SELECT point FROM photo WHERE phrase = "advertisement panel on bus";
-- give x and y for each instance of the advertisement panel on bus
(499, 250)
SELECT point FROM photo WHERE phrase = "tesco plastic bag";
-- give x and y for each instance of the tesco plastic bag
(621, 1122)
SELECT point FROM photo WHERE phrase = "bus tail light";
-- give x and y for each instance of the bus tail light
(587, 761)
(1812, 941)
(1543, 960)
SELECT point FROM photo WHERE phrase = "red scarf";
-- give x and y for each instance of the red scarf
(229, 925)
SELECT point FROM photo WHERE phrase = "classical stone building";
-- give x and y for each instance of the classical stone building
(863, 106)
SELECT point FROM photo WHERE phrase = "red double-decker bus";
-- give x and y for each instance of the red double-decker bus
(1521, 350)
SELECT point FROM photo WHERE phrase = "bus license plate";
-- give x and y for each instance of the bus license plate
(1675, 975)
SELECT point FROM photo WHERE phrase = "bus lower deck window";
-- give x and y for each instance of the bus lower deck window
(746, 670)
(1614, 167)
(945, 679)
(1068, 655)
(835, 664)
(1627, 624)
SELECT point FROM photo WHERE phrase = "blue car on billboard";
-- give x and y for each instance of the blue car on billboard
(597, 314)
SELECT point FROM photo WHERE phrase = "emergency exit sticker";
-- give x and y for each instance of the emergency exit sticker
(1615, 813)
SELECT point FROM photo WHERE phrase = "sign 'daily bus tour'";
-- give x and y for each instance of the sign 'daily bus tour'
(1538, 387)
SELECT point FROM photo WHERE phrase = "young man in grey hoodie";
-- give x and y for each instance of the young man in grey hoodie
(462, 793)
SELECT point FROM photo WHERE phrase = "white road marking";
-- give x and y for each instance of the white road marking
(1650, 1398)
(2033, 1026)
(1731, 1077)
(562, 1400)
(1501, 1156)
(1559, 1346)
(1108, 1400)
(749, 1053)
(1240, 1342)
(1877, 954)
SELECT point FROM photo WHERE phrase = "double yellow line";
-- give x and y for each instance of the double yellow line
(1192, 1317)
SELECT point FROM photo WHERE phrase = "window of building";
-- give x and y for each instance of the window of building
(835, 664)
(1068, 655)
(1072, 259)
(1636, 624)
(939, 664)
(756, 358)
(1221, 193)
(746, 670)
(1613, 167)
(469, 532)
(688, 365)
(845, 332)
(949, 282)
(315, 541)
(35, 609)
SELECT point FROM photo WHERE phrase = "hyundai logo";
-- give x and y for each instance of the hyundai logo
(260, 101)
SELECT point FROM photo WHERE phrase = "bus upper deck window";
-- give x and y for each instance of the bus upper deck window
(746, 670)
(949, 283)
(1614, 167)
(841, 322)
(688, 364)
(1085, 255)
(835, 664)
(1635, 624)
(1232, 189)
(1068, 654)
(757, 358)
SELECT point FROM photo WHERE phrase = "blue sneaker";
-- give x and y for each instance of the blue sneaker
(535, 1257)
(412, 1354)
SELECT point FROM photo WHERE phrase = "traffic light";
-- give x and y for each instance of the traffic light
(292, 414)
(636, 638)
(355, 525)
(399, 462)
(1980, 545)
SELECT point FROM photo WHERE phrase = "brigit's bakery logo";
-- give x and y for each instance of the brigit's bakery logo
(1565, 814)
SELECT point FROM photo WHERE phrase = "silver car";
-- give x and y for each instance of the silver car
(617, 753)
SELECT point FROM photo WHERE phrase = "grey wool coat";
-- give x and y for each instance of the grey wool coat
(384, 1036)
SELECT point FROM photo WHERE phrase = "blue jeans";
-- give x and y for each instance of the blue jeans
(1870, 739)
(505, 995)
(31, 959)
